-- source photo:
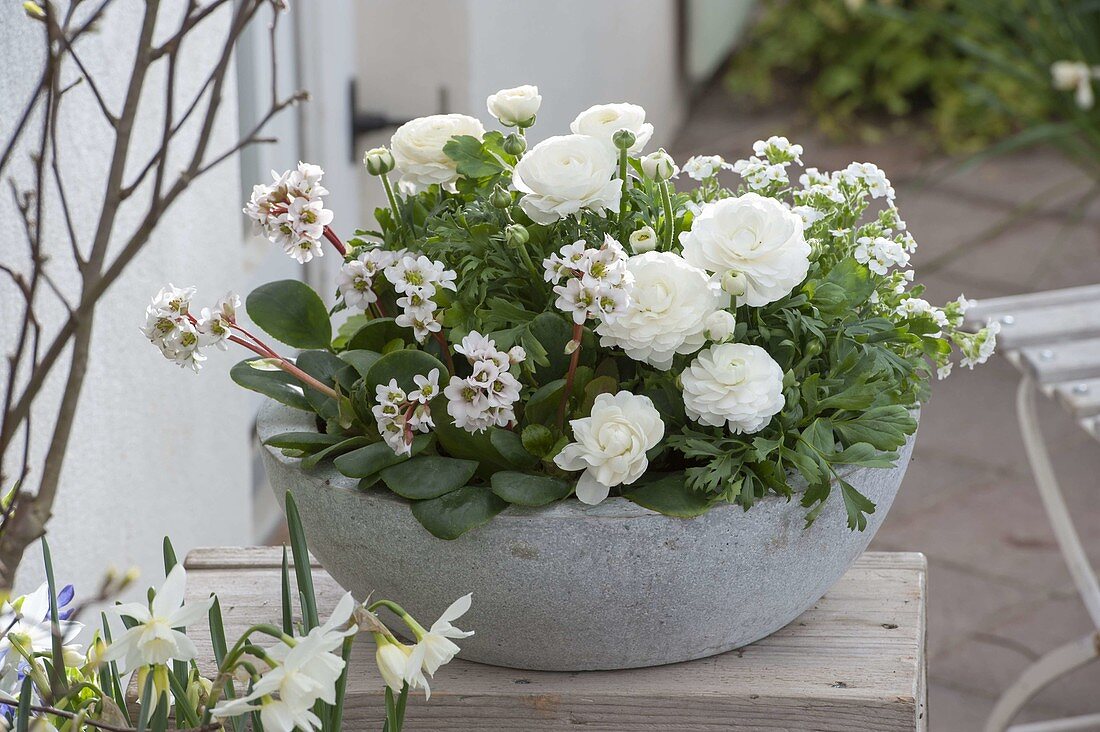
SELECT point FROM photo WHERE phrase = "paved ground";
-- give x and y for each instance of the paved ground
(1000, 595)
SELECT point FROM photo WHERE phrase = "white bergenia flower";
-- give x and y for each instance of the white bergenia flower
(734, 384)
(417, 148)
(515, 107)
(563, 174)
(418, 278)
(752, 235)
(176, 336)
(214, 323)
(173, 301)
(434, 646)
(486, 397)
(670, 301)
(398, 415)
(356, 277)
(701, 167)
(1075, 76)
(598, 284)
(610, 445)
(880, 254)
(290, 212)
(154, 640)
(602, 121)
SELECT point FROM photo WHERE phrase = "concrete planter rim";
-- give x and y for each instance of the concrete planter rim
(570, 508)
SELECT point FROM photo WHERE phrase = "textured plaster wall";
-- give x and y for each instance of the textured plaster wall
(155, 450)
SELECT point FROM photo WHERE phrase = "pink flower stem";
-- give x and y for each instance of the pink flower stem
(335, 241)
(285, 365)
(574, 359)
(438, 335)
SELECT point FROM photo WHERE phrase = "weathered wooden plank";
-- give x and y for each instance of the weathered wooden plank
(855, 661)
(1068, 361)
(1080, 396)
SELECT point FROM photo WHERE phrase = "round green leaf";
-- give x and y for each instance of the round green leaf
(376, 334)
(403, 365)
(525, 489)
(291, 312)
(671, 496)
(452, 515)
(511, 448)
(428, 476)
(360, 360)
(279, 385)
(374, 457)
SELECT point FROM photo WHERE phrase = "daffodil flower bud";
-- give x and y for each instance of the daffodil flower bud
(735, 283)
(516, 235)
(624, 139)
(643, 240)
(378, 161)
(500, 197)
(514, 144)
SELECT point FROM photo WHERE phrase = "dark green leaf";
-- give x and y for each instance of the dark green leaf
(279, 385)
(302, 570)
(857, 506)
(290, 311)
(403, 366)
(671, 496)
(452, 515)
(510, 447)
(304, 441)
(866, 455)
(310, 462)
(428, 476)
(376, 334)
(473, 161)
(525, 489)
(375, 457)
(538, 440)
(361, 360)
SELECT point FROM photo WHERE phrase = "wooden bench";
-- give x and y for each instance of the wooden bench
(855, 661)
(1053, 338)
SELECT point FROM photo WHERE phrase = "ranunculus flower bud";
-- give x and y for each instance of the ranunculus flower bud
(643, 240)
(514, 144)
(500, 197)
(659, 166)
(719, 326)
(516, 234)
(515, 107)
(735, 283)
(378, 161)
(624, 139)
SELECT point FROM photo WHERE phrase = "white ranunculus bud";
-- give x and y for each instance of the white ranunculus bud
(515, 107)
(670, 302)
(417, 148)
(602, 121)
(756, 236)
(378, 161)
(610, 445)
(735, 283)
(563, 174)
(659, 166)
(720, 325)
(734, 384)
(643, 240)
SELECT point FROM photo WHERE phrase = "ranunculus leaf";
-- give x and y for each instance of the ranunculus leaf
(511, 448)
(376, 334)
(375, 457)
(304, 441)
(308, 463)
(428, 476)
(279, 385)
(526, 489)
(472, 161)
(291, 312)
(452, 515)
(403, 365)
(671, 496)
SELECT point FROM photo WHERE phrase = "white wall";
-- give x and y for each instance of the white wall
(155, 450)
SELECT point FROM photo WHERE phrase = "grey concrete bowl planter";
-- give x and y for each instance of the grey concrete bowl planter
(571, 587)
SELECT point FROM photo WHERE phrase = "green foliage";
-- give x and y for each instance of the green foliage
(277, 384)
(858, 65)
(452, 515)
(290, 311)
(527, 489)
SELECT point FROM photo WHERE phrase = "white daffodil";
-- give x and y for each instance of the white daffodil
(27, 623)
(434, 646)
(155, 640)
(393, 661)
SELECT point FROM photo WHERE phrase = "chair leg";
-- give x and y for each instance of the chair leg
(1037, 676)
(1079, 652)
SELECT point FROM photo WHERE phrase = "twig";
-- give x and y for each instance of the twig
(212, 727)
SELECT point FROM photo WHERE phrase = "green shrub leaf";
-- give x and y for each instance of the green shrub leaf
(374, 457)
(428, 476)
(452, 515)
(525, 489)
(671, 496)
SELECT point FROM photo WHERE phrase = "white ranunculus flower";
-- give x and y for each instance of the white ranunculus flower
(670, 302)
(515, 107)
(753, 235)
(417, 148)
(720, 325)
(733, 384)
(610, 445)
(602, 121)
(563, 174)
(659, 166)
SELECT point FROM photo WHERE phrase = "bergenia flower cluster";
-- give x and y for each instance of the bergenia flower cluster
(290, 213)
(180, 336)
(399, 415)
(356, 279)
(418, 280)
(486, 397)
(597, 283)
